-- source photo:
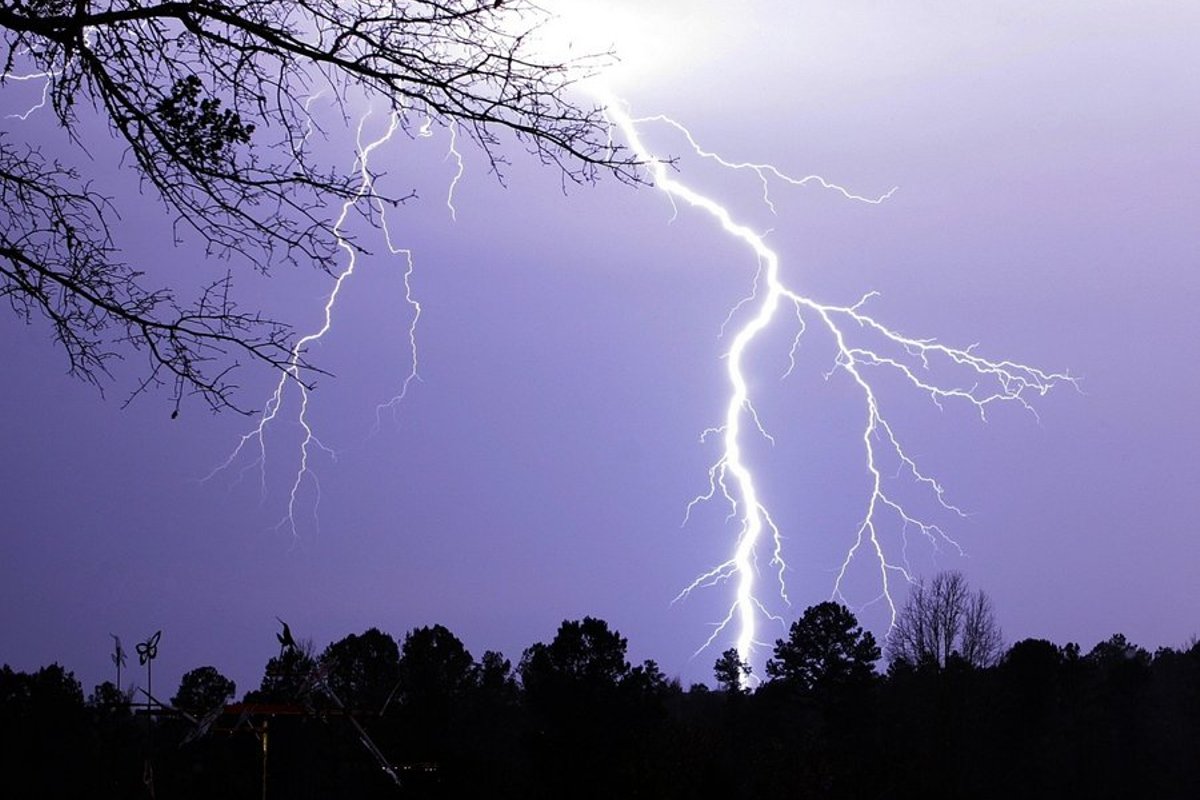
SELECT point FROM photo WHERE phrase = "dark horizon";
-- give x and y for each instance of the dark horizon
(134, 674)
(417, 717)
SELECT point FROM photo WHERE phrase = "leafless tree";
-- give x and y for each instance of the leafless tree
(982, 641)
(942, 619)
(209, 100)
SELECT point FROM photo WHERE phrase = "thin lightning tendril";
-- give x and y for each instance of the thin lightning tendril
(731, 477)
(460, 168)
(415, 305)
(45, 76)
(292, 374)
(764, 171)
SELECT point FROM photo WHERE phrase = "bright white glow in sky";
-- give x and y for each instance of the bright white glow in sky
(646, 37)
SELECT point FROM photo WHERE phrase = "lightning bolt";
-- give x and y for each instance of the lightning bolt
(291, 377)
(45, 76)
(27, 113)
(413, 303)
(862, 347)
(460, 168)
(452, 152)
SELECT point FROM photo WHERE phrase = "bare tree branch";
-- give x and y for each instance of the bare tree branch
(209, 99)
(941, 620)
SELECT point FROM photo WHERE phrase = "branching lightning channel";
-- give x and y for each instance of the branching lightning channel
(46, 77)
(452, 153)
(863, 346)
(292, 377)
(414, 362)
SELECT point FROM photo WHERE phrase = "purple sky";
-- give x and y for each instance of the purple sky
(569, 351)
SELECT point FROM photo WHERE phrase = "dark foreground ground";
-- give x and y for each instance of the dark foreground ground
(575, 720)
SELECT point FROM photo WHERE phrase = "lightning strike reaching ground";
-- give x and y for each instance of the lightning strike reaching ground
(861, 345)
(862, 348)
(293, 377)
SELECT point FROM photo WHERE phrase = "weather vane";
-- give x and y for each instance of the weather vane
(118, 657)
(148, 651)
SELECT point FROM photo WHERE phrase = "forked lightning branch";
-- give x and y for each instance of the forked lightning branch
(863, 346)
(863, 350)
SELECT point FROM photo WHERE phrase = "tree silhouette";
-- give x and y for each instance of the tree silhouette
(108, 698)
(436, 678)
(496, 682)
(43, 730)
(731, 672)
(51, 690)
(117, 743)
(584, 655)
(362, 669)
(1046, 721)
(1118, 653)
(1032, 671)
(435, 667)
(489, 748)
(289, 677)
(942, 619)
(825, 648)
(210, 101)
(203, 689)
(579, 693)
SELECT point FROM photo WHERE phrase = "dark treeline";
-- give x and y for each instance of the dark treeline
(574, 719)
